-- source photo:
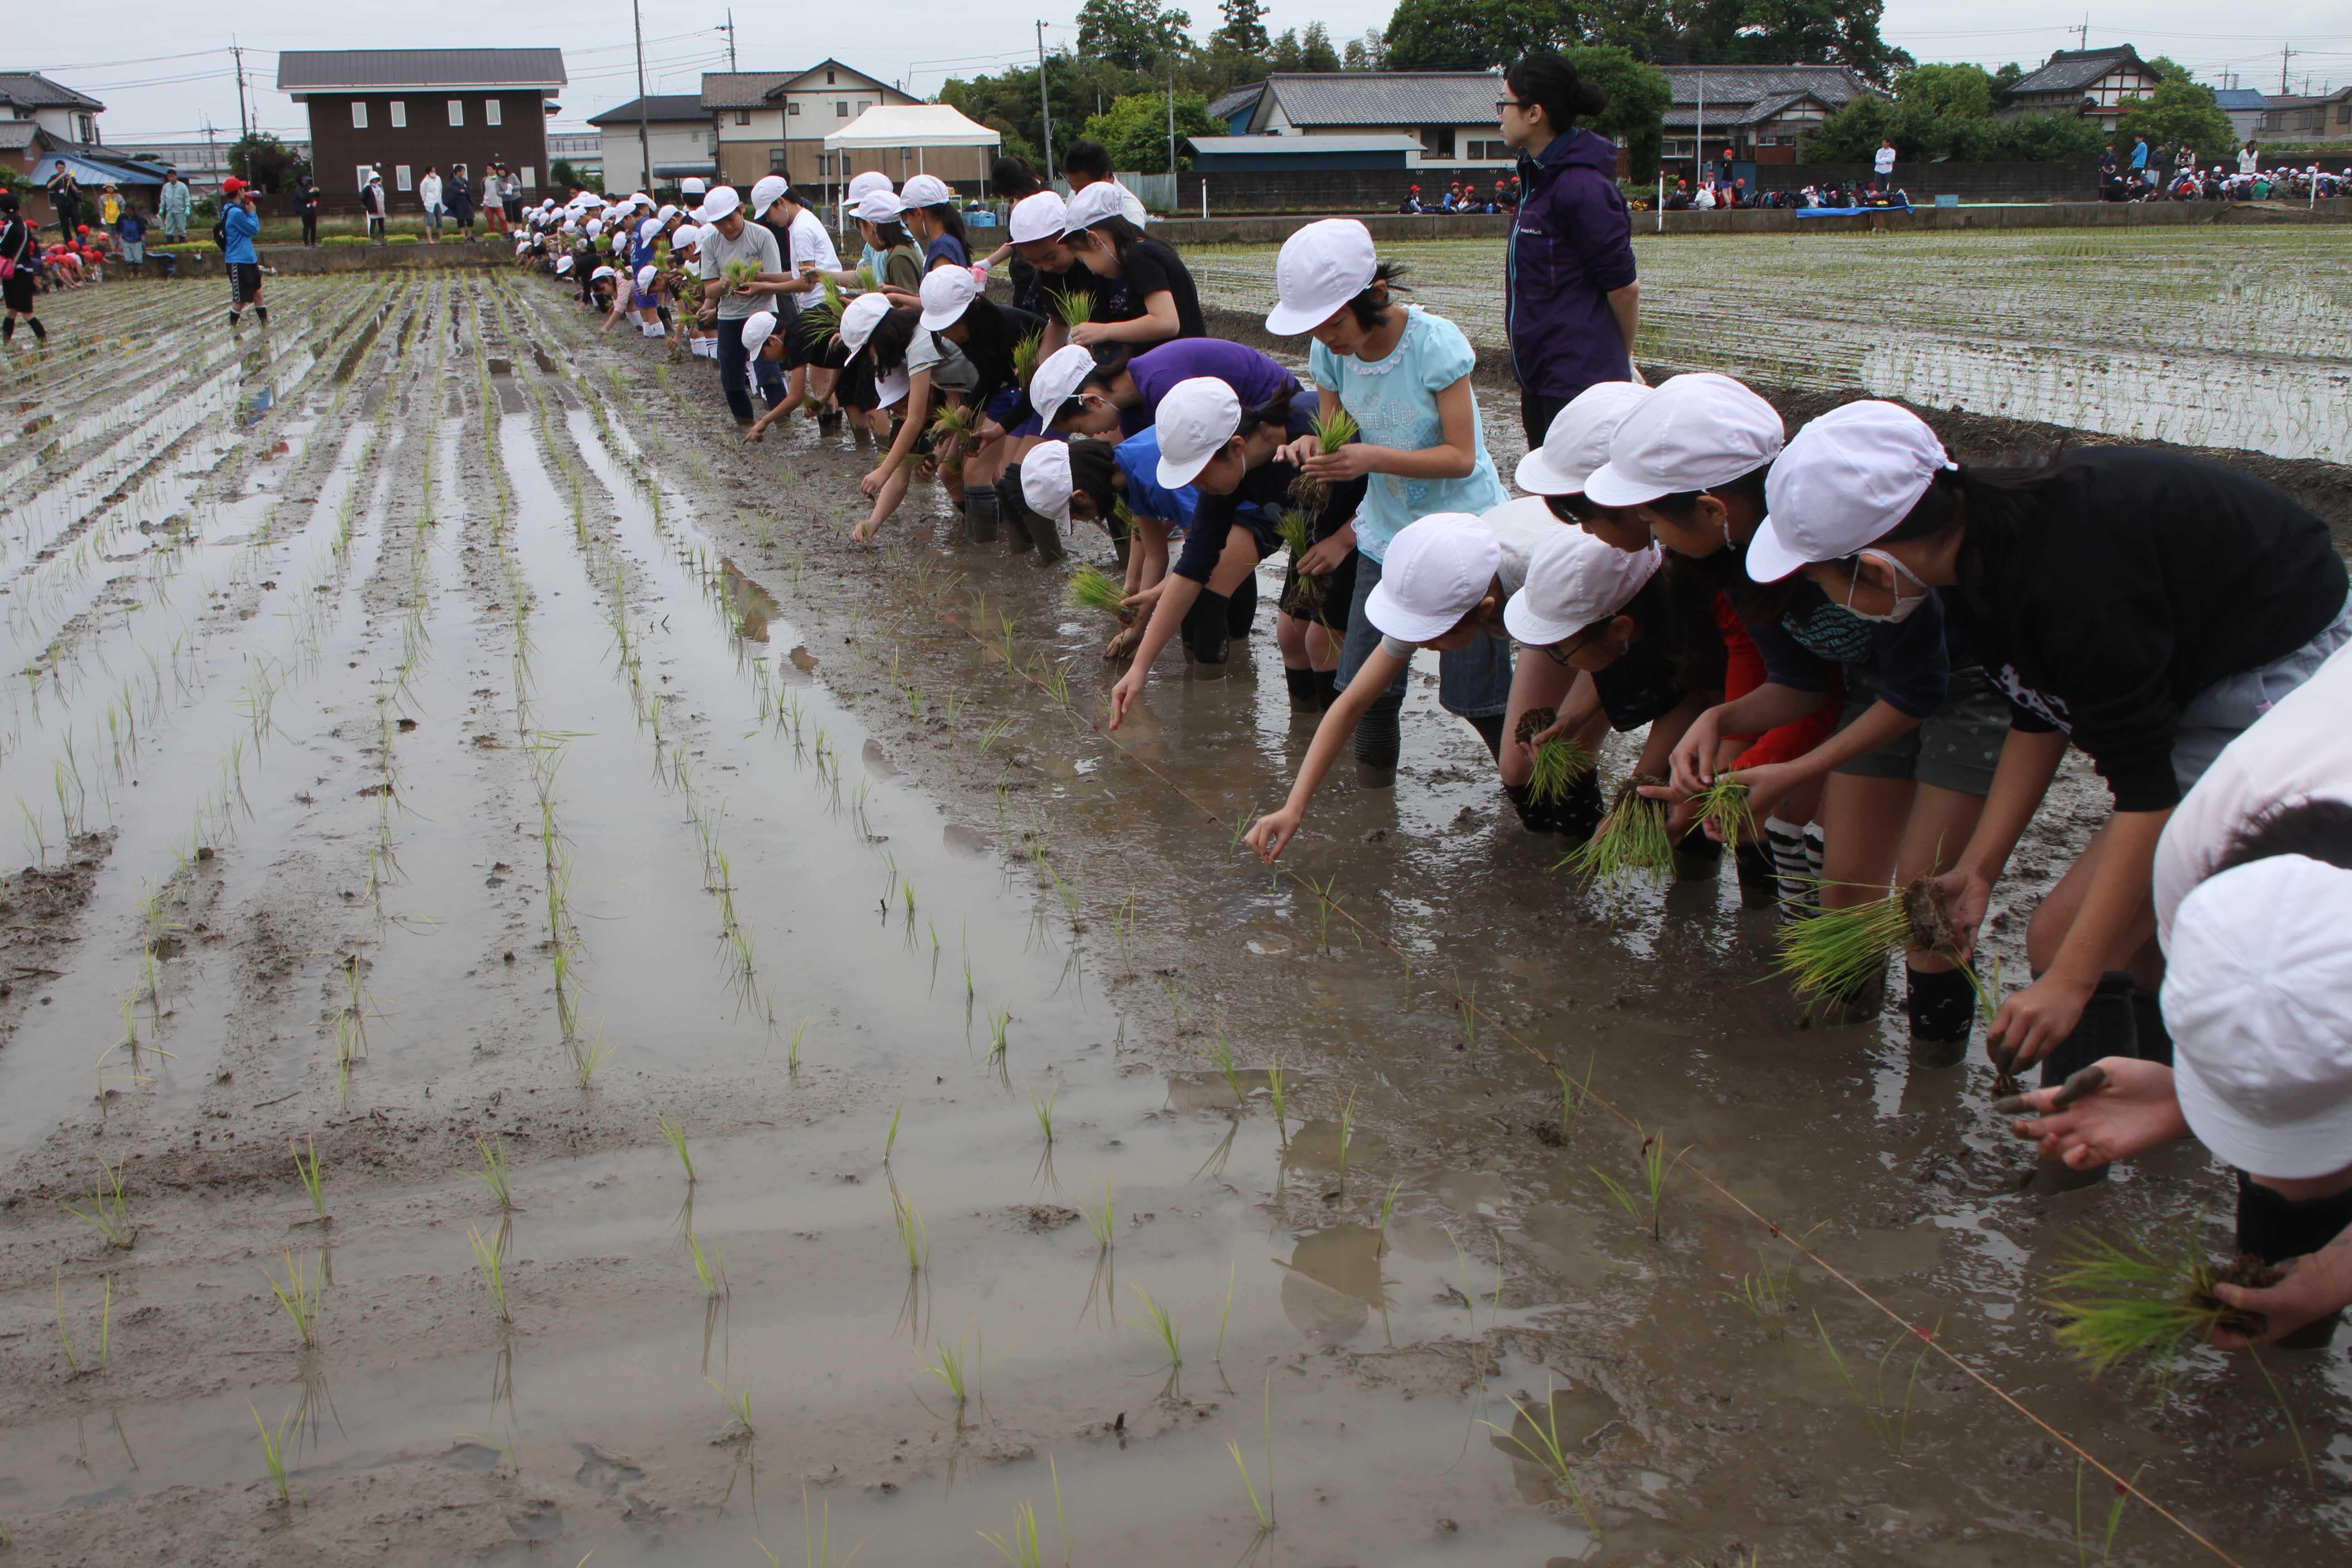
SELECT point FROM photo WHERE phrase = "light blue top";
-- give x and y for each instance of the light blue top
(1394, 401)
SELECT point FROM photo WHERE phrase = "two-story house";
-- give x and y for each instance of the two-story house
(676, 130)
(775, 122)
(397, 112)
(2095, 83)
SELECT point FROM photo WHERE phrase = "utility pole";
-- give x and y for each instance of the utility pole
(2082, 33)
(2286, 52)
(1171, 125)
(212, 147)
(731, 37)
(644, 153)
(1045, 104)
(244, 124)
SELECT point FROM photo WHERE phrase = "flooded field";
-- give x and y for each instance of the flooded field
(2239, 338)
(782, 1083)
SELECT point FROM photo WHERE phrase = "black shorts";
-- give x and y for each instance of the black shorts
(17, 291)
(243, 281)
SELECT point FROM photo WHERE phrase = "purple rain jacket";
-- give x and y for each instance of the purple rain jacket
(1571, 245)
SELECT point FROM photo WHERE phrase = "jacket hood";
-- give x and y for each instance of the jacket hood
(1581, 147)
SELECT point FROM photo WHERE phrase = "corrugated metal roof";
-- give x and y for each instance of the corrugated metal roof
(31, 89)
(1385, 98)
(741, 90)
(1731, 86)
(2070, 70)
(1292, 147)
(378, 70)
(1234, 102)
(2238, 98)
(658, 106)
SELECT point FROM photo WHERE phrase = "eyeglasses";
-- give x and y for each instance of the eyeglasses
(1503, 103)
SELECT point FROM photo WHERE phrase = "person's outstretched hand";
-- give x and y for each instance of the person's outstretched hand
(1123, 695)
(2314, 1287)
(1270, 834)
(2111, 1109)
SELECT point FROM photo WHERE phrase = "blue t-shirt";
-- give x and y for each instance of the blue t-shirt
(241, 227)
(1395, 403)
(1256, 379)
(1139, 459)
(947, 247)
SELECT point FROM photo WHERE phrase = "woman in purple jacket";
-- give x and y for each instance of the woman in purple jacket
(1573, 300)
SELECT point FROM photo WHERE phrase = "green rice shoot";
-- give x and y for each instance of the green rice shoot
(1026, 353)
(1335, 429)
(1724, 805)
(109, 1212)
(1075, 306)
(740, 273)
(1836, 953)
(1632, 838)
(867, 279)
(1559, 763)
(313, 1181)
(1092, 588)
(493, 1174)
(2132, 1302)
(1163, 1328)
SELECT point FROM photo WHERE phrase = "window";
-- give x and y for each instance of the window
(359, 121)
(864, 104)
(362, 175)
(775, 160)
(1490, 150)
(1437, 140)
(792, 108)
(743, 116)
(493, 112)
(400, 177)
(828, 79)
(529, 177)
(400, 114)
(841, 110)
(456, 111)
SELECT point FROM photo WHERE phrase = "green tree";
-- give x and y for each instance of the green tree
(265, 162)
(1135, 130)
(563, 176)
(2009, 76)
(1638, 96)
(1315, 50)
(1282, 54)
(1817, 32)
(1368, 53)
(1135, 34)
(1959, 91)
(2179, 112)
(1475, 35)
(2043, 139)
(1244, 28)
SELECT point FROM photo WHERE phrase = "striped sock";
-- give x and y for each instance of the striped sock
(1787, 840)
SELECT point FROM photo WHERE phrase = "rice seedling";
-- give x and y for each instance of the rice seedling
(1221, 1057)
(739, 1408)
(65, 1336)
(2135, 1302)
(1298, 531)
(1542, 1447)
(273, 1453)
(1557, 761)
(492, 1267)
(1092, 588)
(1347, 1136)
(1045, 1110)
(301, 1295)
(867, 278)
(913, 1235)
(997, 1024)
(793, 1058)
(1163, 1327)
(1466, 1007)
(1573, 1094)
(1103, 1221)
(1765, 1294)
(674, 1132)
(108, 1212)
(1632, 838)
(493, 1172)
(738, 273)
(1892, 1425)
(1274, 1090)
(960, 1366)
(2082, 1557)
(709, 1269)
(1075, 307)
(993, 733)
(1836, 953)
(1335, 429)
(1265, 1512)
(1026, 355)
(1723, 805)
(1657, 1164)
(587, 1055)
(891, 1142)
(1388, 1208)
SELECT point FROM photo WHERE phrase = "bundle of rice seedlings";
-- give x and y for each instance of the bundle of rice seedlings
(1092, 588)
(2131, 1302)
(1725, 805)
(1557, 761)
(822, 315)
(1026, 355)
(1298, 531)
(1335, 431)
(1633, 838)
(1835, 952)
(1075, 307)
(867, 279)
(953, 423)
(738, 273)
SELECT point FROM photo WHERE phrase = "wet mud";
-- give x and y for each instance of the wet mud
(521, 763)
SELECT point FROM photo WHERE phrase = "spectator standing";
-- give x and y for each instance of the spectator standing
(2250, 159)
(510, 196)
(460, 193)
(110, 205)
(1883, 164)
(306, 207)
(494, 199)
(428, 193)
(2139, 158)
(1723, 169)
(131, 233)
(64, 199)
(172, 205)
(2110, 172)
(240, 226)
(1573, 299)
(20, 247)
(372, 201)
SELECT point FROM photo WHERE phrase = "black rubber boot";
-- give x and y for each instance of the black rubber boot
(1207, 640)
(2147, 1020)
(1241, 607)
(1380, 740)
(2274, 1229)
(2108, 1029)
(1303, 696)
(1327, 688)
(1490, 729)
(1544, 818)
(1014, 508)
(39, 331)
(1943, 1009)
(1044, 534)
(1697, 856)
(1578, 815)
(7, 329)
(981, 511)
(1760, 884)
(1859, 1006)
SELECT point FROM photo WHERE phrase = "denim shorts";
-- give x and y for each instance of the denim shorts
(2219, 713)
(1956, 747)
(1473, 682)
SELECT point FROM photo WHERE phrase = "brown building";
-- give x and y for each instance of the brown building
(397, 112)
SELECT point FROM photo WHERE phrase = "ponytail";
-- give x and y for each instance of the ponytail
(1542, 80)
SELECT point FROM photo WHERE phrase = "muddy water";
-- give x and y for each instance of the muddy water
(600, 613)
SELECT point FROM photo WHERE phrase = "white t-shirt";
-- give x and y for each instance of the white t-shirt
(1884, 161)
(811, 244)
(428, 192)
(1519, 526)
(2300, 750)
(2250, 160)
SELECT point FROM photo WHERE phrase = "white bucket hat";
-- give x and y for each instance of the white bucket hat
(765, 192)
(1578, 441)
(1104, 198)
(946, 293)
(1573, 581)
(647, 230)
(926, 191)
(562, 265)
(1057, 379)
(2258, 996)
(858, 320)
(718, 205)
(1043, 215)
(645, 276)
(1844, 482)
(1697, 431)
(757, 330)
(1045, 480)
(1321, 268)
(602, 272)
(1438, 568)
(1194, 421)
(863, 184)
(879, 206)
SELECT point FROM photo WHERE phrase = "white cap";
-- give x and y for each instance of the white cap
(859, 317)
(522, 244)
(1321, 268)
(563, 264)
(2257, 995)
(642, 200)
(692, 186)
(864, 185)
(718, 205)
(1574, 580)
(946, 293)
(879, 206)
(1045, 479)
(1104, 198)
(1578, 441)
(765, 191)
(684, 237)
(1195, 420)
(645, 276)
(648, 230)
(758, 328)
(926, 191)
(1057, 379)
(1043, 215)
(666, 213)
(890, 390)
(1438, 568)
(602, 272)
(595, 227)
(1697, 431)
(1844, 482)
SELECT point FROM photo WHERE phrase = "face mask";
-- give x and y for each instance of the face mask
(1902, 606)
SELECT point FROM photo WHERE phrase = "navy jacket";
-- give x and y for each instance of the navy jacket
(1571, 246)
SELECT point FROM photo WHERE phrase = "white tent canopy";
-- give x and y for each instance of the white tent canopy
(911, 125)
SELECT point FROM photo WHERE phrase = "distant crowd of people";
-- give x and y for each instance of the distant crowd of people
(2154, 173)
(1465, 196)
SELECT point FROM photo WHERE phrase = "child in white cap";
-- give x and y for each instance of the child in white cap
(1088, 480)
(2252, 895)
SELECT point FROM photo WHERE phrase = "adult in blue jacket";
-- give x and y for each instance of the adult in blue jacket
(1573, 300)
(240, 226)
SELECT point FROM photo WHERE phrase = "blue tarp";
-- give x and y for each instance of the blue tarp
(1849, 212)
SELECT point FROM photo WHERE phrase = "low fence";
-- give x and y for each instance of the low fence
(2066, 182)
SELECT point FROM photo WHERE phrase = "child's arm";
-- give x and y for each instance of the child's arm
(1270, 833)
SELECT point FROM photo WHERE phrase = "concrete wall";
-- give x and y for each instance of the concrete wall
(1327, 190)
(2071, 182)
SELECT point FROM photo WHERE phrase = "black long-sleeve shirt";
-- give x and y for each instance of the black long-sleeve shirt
(2143, 578)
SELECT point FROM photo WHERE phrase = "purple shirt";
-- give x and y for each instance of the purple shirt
(1571, 248)
(1255, 378)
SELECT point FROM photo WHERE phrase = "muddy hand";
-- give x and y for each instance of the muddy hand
(2314, 1286)
(2054, 1100)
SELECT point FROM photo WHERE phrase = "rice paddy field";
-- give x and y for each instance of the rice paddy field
(554, 1010)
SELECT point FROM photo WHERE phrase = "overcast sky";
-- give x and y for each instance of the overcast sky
(175, 70)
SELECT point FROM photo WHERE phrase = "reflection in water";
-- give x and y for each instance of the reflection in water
(1332, 1283)
(749, 605)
